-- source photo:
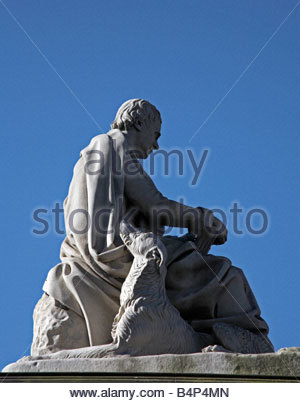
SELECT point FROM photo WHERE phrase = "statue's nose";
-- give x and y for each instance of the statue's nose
(155, 145)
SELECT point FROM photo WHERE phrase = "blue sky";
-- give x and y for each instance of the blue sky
(62, 83)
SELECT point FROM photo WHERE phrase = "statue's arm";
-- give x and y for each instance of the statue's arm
(142, 192)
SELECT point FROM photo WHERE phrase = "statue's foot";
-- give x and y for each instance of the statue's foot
(60, 355)
(34, 358)
(107, 350)
(215, 349)
(26, 358)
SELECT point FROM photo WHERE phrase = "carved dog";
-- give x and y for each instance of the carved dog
(147, 323)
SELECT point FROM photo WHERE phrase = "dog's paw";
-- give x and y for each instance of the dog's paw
(215, 349)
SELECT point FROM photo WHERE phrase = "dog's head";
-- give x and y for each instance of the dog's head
(143, 244)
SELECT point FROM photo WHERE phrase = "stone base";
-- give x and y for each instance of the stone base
(283, 364)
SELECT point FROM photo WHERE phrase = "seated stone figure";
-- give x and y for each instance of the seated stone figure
(82, 293)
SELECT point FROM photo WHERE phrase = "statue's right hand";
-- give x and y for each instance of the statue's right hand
(203, 243)
(214, 228)
(220, 231)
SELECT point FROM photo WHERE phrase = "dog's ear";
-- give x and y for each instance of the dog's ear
(163, 255)
(156, 254)
(153, 254)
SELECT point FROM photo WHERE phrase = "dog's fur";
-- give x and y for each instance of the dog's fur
(147, 323)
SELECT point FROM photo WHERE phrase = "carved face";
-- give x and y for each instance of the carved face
(147, 138)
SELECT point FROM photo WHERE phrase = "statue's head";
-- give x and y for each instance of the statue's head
(133, 111)
(145, 245)
(141, 122)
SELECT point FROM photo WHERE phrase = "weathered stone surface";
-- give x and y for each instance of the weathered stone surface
(284, 363)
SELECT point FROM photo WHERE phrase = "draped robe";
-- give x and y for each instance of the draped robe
(107, 184)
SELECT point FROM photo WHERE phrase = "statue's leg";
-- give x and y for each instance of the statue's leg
(56, 328)
(208, 290)
(237, 302)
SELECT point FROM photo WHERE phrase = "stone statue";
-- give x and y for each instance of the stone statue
(199, 301)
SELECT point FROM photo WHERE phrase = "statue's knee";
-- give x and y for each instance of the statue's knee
(237, 271)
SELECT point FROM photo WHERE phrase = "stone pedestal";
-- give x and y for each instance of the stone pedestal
(283, 365)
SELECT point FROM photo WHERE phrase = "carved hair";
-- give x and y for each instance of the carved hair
(133, 110)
